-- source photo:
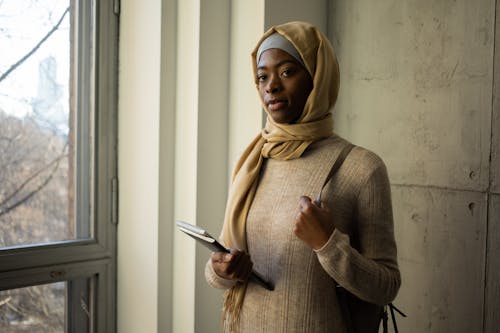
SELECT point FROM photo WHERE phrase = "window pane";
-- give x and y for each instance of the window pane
(44, 125)
(48, 308)
(33, 309)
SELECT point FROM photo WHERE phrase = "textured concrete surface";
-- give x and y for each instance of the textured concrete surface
(495, 122)
(420, 86)
(441, 248)
(416, 83)
(492, 308)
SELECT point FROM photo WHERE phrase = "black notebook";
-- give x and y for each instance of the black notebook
(207, 240)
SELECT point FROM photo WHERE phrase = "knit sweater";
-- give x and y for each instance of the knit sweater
(360, 255)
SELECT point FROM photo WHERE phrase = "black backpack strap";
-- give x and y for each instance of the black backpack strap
(336, 165)
(392, 307)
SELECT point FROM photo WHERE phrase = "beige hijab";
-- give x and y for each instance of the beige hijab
(281, 141)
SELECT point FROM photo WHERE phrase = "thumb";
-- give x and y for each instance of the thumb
(304, 202)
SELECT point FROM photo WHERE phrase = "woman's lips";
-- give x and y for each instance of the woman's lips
(276, 105)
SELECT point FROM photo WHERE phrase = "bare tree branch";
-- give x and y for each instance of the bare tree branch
(8, 298)
(19, 310)
(33, 50)
(29, 179)
(26, 197)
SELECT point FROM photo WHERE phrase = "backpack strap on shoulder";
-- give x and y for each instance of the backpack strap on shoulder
(335, 167)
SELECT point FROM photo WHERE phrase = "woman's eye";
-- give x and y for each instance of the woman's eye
(261, 78)
(287, 72)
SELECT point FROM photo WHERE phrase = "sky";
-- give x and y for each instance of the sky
(23, 23)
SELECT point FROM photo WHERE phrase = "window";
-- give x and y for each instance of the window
(58, 186)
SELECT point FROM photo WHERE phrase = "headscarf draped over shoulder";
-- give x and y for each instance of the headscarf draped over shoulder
(281, 141)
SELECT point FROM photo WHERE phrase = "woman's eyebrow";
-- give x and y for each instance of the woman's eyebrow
(281, 63)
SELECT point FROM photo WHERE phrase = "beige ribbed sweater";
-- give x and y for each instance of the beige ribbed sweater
(360, 255)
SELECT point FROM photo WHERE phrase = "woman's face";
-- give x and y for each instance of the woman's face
(283, 84)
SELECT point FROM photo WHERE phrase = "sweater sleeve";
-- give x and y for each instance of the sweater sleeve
(369, 271)
(215, 280)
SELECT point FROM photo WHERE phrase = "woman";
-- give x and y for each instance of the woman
(271, 224)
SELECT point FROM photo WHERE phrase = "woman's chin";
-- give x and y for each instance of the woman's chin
(282, 116)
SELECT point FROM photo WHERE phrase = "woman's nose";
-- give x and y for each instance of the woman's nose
(273, 85)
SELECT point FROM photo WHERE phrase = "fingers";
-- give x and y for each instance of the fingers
(313, 224)
(305, 203)
(218, 257)
(240, 265)
(242, 268)
(233, 265)
(234, 260)
(220, 263)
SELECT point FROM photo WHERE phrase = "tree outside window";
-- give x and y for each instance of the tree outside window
(47, 54)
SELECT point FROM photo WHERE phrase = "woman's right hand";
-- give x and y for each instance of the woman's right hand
(235, 265)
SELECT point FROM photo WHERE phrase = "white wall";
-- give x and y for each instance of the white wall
(138, 164)
(245, 116)
(186, 136)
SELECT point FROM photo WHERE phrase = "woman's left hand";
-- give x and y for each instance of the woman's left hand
(313, 224)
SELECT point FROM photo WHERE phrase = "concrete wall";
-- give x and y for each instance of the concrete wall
(417, 88)
(492, 294)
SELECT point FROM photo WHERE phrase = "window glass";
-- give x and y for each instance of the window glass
(42, 308)
(44, 130)
(33, 309)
